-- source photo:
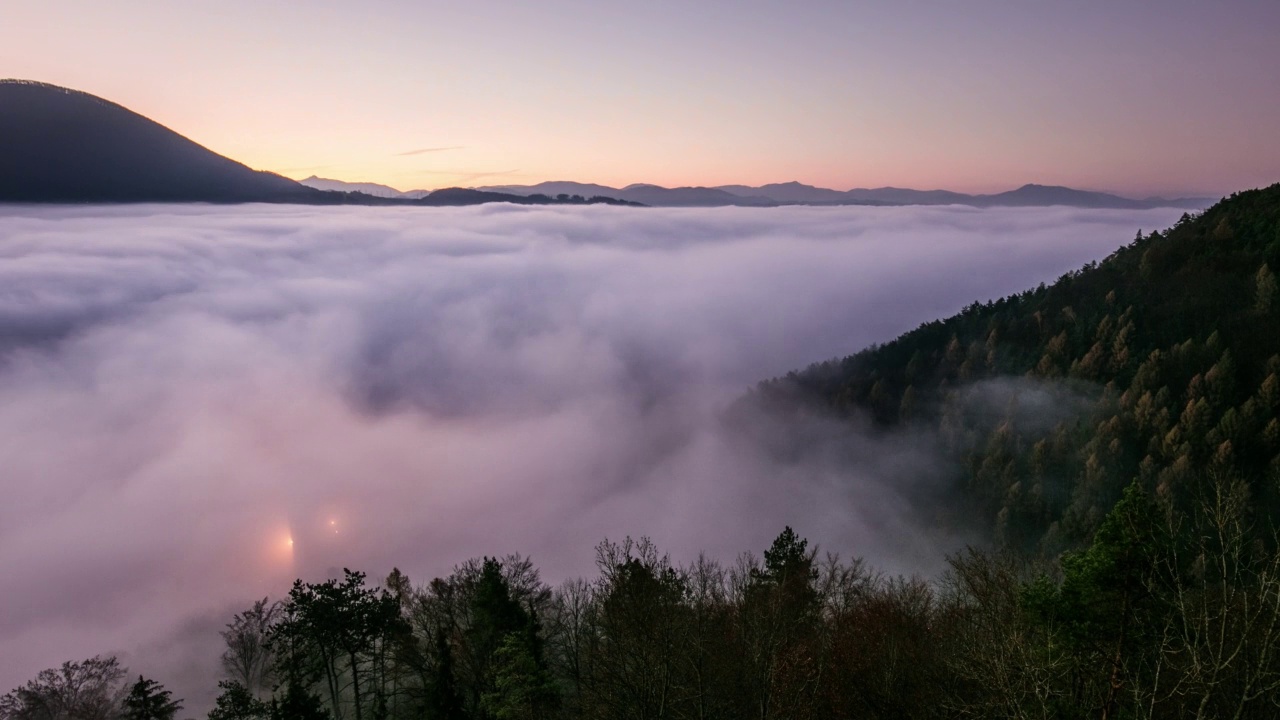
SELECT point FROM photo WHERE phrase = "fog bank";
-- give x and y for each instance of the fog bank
(198, 404)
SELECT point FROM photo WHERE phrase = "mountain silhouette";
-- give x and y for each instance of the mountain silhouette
(374, 189)
(1039, 195)
(795, 193)
(471, 196)
(789, 192)
(66, 146)
(639, 193)
(659, 196)
(63, 145)
(368, 188)
(553, 188)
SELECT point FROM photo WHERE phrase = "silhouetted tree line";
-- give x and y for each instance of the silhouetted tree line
(1168, 613)
(89, 690)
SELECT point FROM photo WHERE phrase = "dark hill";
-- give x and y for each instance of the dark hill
(789, 192)
(468, 196)
(658, 196)
(1041, 195)
(1159, 364)
(61, 145)
(65, 146)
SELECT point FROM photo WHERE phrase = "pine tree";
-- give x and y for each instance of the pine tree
(237, 703)
(298, 704)
(148, 700)
(1264, 290)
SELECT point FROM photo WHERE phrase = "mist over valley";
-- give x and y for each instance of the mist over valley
(683, 361)
(201, 403)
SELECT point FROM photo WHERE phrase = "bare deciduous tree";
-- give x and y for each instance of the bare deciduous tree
(247, 658)
(88, 690)
(1219, 644)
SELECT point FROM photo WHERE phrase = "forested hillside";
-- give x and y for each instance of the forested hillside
(1160, 363)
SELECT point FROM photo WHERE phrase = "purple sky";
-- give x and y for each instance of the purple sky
(1179, 96)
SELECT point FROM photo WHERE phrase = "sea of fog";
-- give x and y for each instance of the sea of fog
(200, 403)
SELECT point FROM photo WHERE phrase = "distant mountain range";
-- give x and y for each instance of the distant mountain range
(65, 146)
(374, 189)
(794, 193)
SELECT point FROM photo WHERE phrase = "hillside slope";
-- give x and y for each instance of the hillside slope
(1160, 363)
(62, 145)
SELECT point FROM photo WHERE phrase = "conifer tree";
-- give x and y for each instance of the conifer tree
(148, 700)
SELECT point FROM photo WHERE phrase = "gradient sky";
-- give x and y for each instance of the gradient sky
(1177, 96)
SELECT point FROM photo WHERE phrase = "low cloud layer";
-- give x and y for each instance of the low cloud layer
(184, 390)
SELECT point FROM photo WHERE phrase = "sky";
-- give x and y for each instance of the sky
(1129, 96)
(200, 403)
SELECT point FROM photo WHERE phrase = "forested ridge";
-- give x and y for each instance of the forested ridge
(1118, 428)
(1167, 351)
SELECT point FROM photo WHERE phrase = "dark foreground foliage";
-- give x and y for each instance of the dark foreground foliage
(1167, 614)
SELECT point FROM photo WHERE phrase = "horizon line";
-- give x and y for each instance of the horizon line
(1199, 195)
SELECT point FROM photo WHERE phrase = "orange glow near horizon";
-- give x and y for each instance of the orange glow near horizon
(972, 97)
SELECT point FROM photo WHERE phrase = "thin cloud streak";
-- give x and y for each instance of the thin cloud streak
(423, 151)
(184, 389)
